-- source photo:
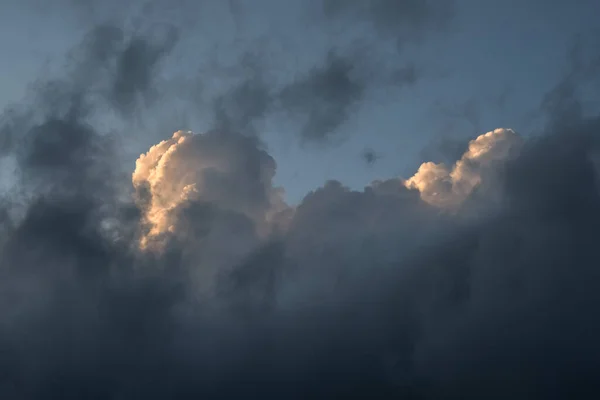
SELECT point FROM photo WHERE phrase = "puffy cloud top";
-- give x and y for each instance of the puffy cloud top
(228, 170)
(448, 188)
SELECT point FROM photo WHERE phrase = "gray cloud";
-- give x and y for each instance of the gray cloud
(565, 101)
(370, 156)
(126, 63)
(370, 293)
(325, 96)
(321, 100)
(135, 68)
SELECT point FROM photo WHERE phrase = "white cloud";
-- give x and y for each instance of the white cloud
(227, 170)
(448, 187)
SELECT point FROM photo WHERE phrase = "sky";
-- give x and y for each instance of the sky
(299, 199)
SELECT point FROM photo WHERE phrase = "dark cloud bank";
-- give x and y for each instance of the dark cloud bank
(371, 294)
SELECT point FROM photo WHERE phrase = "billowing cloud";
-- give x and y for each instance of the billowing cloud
(229, 170)
(448, 188)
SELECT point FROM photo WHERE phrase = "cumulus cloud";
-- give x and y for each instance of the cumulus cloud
(448, 188)
(226, 169)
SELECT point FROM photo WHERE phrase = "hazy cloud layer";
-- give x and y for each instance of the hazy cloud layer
(404, 20)
(238, 81)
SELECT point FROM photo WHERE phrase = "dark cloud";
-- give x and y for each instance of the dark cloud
(135, 69)
(370, 156)
(369, 294)
(125, 63)
(321, 100)
(111, 69)
(325, 97)
(372, 293)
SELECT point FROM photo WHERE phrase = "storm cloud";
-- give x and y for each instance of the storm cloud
(182, 272)
(372, 292)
